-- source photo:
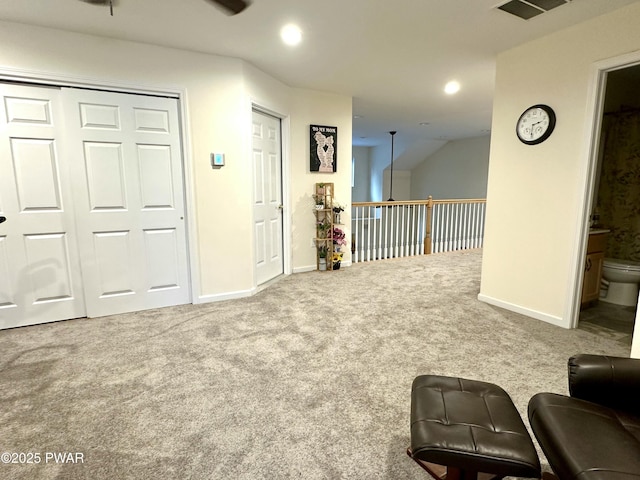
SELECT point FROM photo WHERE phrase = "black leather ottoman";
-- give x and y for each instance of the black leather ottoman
(466, 427)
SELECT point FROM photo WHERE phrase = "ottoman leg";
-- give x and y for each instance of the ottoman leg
(441, 472)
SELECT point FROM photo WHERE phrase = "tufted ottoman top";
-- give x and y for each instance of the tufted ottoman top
(470, 425)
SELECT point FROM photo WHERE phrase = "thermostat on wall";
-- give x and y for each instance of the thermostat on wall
(217, 160)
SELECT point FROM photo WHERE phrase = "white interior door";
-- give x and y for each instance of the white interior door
(267, 195)
(40, 277)
(129, 200)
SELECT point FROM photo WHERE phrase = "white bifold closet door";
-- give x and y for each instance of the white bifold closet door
(101, 173)
(130, 208)
(40, 277)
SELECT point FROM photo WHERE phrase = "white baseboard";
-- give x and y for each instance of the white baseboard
(218, 297)
(545, 317)
(311, 268)
(307, 268)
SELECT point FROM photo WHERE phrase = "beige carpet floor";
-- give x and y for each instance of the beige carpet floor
(308, 379)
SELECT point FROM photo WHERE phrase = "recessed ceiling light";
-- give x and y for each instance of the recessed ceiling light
(451, 87)
(291, 34)
(423, 124)
(357, 116)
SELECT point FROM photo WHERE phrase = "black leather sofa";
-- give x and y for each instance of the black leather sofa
(594, 434)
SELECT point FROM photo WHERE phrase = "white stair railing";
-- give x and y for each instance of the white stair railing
(382, 230)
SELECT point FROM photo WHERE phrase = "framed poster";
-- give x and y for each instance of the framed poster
(324, 145)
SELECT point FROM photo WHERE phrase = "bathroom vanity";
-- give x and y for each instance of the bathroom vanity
(593, 265)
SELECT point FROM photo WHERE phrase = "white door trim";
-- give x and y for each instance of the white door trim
(591, 140)
(48, 78)
(285, 135)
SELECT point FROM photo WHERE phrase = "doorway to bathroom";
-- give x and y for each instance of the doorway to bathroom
(615, 207)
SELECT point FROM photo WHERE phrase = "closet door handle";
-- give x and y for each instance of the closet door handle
(589, 264)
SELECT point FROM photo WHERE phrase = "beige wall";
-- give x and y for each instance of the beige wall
(219, 93)
(319, 109)
(361, 191)
(401, 184)
(535, 194)
(457, 170)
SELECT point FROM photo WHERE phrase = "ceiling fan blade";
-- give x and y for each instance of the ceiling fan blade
(232, 6)
(109, 3)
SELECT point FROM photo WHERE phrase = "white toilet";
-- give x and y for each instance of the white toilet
(621, 282)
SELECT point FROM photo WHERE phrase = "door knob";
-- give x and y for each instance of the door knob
(280, 207)
(3, 219)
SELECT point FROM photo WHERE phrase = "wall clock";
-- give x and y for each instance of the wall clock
(536, 124)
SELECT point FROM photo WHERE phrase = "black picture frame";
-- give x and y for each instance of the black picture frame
(323, 149)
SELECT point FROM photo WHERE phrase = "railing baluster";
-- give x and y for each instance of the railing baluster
(443, 230)
(448, 228)
(365, 224)
(393, 231)
(484, 206)
(384, 214)
(465, 225)
(407, 228)
(454, 226)
(435, 228)
(407, 231)
(440, 228)
(372, 233)
(451, 223)
(401, 242)
(459, 226)
(422, 230)
(472, 224)
(379, 226)
(393, 247)
(364, 233)
(360, 237)
(357, 230)
(414, 237)
(474, 231)
(407, 237)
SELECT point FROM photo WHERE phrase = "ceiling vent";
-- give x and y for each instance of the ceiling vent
(527, 9)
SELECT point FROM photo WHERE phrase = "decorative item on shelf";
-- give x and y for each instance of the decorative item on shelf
(322, 258)
(319, 202)
(320, 189)
(323, 228)
(336, 258)
(337, 210)
(339, 237)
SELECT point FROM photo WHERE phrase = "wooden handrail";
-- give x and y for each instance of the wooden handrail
(418, 202)
(390, 204)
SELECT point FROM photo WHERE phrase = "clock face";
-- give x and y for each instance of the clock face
(536, 124)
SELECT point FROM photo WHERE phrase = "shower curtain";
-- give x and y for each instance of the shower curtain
(619, 191)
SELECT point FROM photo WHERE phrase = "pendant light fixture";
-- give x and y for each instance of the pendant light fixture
(391, 180)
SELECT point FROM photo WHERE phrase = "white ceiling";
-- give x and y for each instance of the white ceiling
(392, 56)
